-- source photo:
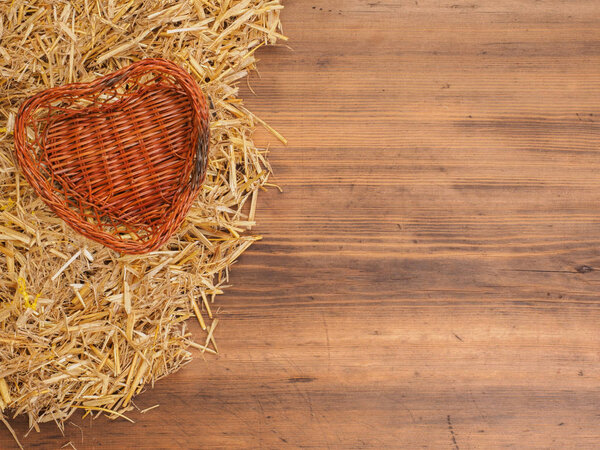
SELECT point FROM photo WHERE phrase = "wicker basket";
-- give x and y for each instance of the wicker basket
(120, 159)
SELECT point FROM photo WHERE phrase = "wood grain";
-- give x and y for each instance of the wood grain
(430, 276)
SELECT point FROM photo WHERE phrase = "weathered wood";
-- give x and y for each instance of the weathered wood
(429, 277)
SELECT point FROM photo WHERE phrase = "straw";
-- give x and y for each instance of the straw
(83, 327)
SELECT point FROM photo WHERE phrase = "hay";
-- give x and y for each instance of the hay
(81, 326)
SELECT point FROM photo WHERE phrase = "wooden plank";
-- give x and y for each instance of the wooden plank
(429, 277)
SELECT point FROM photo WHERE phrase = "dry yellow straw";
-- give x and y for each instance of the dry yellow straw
(83, 327)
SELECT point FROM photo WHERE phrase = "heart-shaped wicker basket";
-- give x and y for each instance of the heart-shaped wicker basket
(122, 158)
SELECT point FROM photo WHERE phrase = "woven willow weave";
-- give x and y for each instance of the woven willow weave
(120, 159)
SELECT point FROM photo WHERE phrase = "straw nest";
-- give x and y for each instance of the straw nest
(83, 327)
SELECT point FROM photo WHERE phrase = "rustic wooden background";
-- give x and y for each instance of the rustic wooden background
(431, 275)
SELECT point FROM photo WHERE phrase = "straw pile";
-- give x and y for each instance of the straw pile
(83, 328)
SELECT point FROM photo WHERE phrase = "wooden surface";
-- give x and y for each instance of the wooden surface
(430, 278)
